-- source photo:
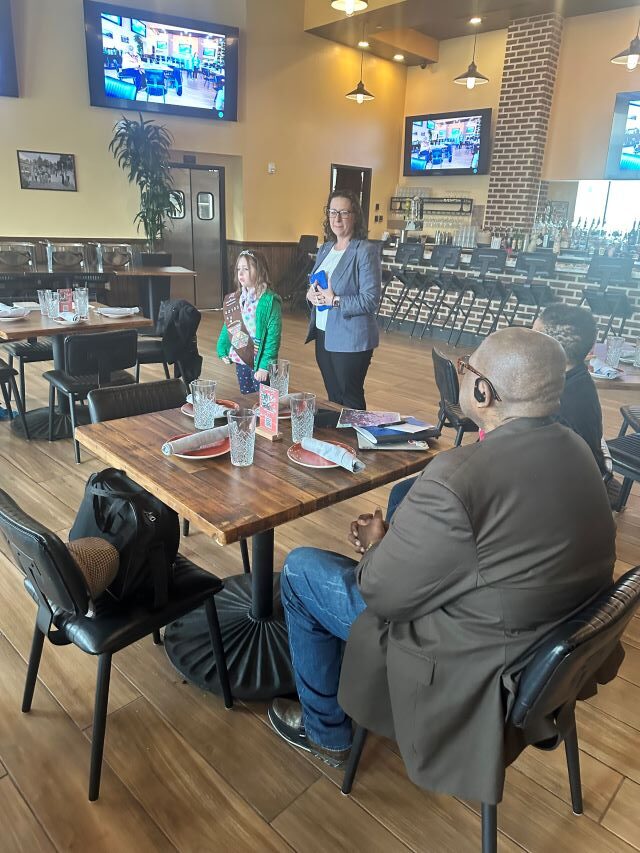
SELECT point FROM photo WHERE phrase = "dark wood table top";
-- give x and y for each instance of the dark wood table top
(627, 380)
(165, 272)
(37, 326)
(230, 503)
(126, 272)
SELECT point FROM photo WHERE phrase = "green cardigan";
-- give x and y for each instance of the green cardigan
(268, 331)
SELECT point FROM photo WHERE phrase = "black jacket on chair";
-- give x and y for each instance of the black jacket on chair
(177, 324)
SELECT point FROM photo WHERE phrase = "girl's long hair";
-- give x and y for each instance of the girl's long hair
(258, 263)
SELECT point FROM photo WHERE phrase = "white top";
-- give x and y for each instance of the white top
(328, 265)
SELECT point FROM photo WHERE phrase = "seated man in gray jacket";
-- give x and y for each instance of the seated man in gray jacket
(495, 544)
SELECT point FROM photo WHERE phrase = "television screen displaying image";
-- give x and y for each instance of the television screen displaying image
(8, 72)
(160, 63)
(623, 159)
(454, 143)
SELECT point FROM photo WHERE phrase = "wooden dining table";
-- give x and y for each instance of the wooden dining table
(157, 284)
(229, 504)
(35, 325)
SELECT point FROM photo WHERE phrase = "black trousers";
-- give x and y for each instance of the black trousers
(343, 374)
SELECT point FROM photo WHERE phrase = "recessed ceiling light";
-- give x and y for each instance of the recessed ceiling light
(399, 57)
(475, 20)
(363, 44)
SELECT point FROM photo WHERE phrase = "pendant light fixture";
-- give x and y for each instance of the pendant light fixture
(472, 77)
(631, 56)
(349, 6)
(360, 94)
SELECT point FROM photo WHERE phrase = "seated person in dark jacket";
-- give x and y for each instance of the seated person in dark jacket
(575, 330)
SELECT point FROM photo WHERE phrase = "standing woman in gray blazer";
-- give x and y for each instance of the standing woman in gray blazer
(347, 333)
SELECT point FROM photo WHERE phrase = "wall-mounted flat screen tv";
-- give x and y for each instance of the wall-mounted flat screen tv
(447, 143)
(160, 63)
(623, 159)
(8, 72)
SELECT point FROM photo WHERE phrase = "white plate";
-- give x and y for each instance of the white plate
(13, 319)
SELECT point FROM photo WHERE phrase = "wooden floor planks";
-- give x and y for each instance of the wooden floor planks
(182, 773)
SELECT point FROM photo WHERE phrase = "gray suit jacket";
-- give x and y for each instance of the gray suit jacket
(494, 544)
(352, 327)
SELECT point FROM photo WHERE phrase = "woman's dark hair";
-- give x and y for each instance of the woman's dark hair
(359, 225)
(574, 328)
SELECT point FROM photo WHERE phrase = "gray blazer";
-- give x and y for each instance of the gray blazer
(352, 327)
(495, 543)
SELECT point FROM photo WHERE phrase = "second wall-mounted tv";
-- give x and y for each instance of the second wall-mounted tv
(623, 159)
(454, 143)
(148, 61)
(8, 73)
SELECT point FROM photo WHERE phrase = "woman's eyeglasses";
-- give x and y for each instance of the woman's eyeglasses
(463, 364)
(342, 214)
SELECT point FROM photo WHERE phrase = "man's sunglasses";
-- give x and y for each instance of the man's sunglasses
(463, 364)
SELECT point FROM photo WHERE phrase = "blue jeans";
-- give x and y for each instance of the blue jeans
(397, 495)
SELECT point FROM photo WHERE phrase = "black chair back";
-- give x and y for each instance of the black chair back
(409, 253)
(571, 656)
(607, 270)
(125, 401)
(308, 243)
(100, 354)
(536, 263)
(446, 377)
(445, 256)
(488, 260)
(44, 560)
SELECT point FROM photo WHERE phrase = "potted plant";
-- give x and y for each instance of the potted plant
(142, 149)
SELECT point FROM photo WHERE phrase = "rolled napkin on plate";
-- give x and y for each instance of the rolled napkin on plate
(111, 311)
(8, 311)
(345, 458)
(67, 317)
(603, 370)
(196, 441)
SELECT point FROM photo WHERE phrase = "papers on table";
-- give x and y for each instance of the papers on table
(361, 418)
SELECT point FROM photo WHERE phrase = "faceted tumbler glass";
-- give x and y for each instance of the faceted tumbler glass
(242, 436)
(303, 410)
(203, 393)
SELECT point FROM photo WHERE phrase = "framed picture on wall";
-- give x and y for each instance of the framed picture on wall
(42, 170)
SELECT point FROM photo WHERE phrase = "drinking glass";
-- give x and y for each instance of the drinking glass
(53, 305)
(43, 300)
(615, 345)
(203, 392)
(303, 409)
(242, 436)
(81, 301)
(279, 376)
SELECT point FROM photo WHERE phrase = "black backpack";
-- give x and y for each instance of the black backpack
(145, 531)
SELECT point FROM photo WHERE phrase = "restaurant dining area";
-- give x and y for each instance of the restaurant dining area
(320, 426)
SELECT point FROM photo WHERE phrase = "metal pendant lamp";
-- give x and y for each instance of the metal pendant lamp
(349, 6)
(360, 94)
(631, 56)
(472, 77)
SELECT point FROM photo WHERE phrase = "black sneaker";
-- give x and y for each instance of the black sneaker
(285, 716)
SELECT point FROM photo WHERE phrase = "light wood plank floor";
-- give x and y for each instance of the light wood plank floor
(181, 773)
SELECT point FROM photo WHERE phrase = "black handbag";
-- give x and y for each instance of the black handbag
(145, 531)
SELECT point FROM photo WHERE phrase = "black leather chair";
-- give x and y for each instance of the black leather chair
(625, 458)
(8, 384)
(28, 352)
(150, 351)
(561, 672)
(67, 615)
(90, 361)
(630, 418)
(449, 412)
(109, 404)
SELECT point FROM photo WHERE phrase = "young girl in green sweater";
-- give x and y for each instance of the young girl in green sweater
(250, 337)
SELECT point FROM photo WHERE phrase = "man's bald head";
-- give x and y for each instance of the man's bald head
(527, 369)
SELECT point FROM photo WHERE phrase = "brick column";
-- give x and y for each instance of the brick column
(528, 79)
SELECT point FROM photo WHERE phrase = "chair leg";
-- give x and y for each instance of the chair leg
(32, 669)
(459, 435)
(244, 550)
(20, 405)
(623, 427)
(52, 405)
(157, 639)
(218, 650)
(573, 768)
(23, 392)
(7, 396)
(359, 738)
(166, 370)
(489, 828)
(99, 724)
(624, 494)
(137, 376)
(72, 413)
(185, 526)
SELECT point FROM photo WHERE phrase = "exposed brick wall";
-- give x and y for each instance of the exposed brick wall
(528, 79)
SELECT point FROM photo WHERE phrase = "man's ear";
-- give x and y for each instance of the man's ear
(482, 393)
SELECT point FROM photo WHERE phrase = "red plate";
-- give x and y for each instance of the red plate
(298, 454)
(206, 453)
(187, 409)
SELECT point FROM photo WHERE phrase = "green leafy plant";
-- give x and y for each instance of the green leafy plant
(142, 149)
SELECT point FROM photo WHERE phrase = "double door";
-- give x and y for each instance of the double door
(196, 238)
